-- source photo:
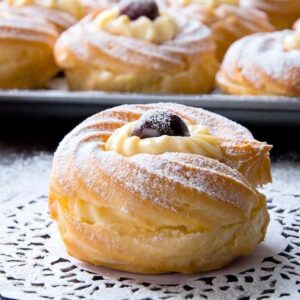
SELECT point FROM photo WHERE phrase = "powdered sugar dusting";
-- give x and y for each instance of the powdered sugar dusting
(261, 62)
(81, 160)
(160, 120)
(193, 39)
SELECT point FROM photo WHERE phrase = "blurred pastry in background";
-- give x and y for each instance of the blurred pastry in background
(282, 13)
(263, 64)
(26, 49)
(59, 19)
(135, 47)
(210, 2)
(228, 22)
(74, 7)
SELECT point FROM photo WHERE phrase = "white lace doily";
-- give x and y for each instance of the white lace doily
(34, 264)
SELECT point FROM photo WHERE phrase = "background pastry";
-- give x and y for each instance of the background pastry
(209, 2)
(26, 49)
(59, 19)
(263, 64)
(115, 50)
(282, 13)
(91, 5)
(164, 209)
(228, 22)
(74, 7)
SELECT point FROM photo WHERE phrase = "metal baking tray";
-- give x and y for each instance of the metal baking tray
(66, 104)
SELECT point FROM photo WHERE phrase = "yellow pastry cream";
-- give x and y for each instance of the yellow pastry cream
(199, 141)
(161, 29)
(73, 7)
(292, 42)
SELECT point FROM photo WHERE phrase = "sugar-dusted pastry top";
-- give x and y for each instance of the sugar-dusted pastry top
(161, 29)
(231, 17)
(166, 62)
(195, 139)
(83, 156)
(209, 2)
(176, 35)
(239, 150)
(59, 19)
(283, 7)
(228, 22)
(263, 63)
(251, 20)
(282, 13)
(26, 26)
(74, 7)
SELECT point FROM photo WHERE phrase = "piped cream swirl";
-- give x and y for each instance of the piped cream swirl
(160, 30)
(199, 142)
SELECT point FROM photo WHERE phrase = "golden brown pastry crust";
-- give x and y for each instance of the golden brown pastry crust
(173, 212)
(260, 65)
(228, 22)
(26, 49)
(282, 13)
(97, 60)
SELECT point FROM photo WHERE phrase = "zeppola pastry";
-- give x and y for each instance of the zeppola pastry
(227, 22)
(159, 188)
(59, 19)
(26, 48)
(136, 48)
(282, 13)
(263, 64)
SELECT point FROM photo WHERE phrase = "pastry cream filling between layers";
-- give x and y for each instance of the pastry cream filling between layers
(199, 142)
(158, 31)
(292, 42)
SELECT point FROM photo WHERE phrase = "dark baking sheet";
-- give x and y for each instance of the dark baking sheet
(65, 104)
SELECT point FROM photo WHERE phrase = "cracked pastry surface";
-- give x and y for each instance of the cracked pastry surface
(263, 64)
(169, 54)
(164, 212)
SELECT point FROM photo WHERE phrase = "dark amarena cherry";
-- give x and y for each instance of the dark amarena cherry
(156, 123)
(139, 8)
